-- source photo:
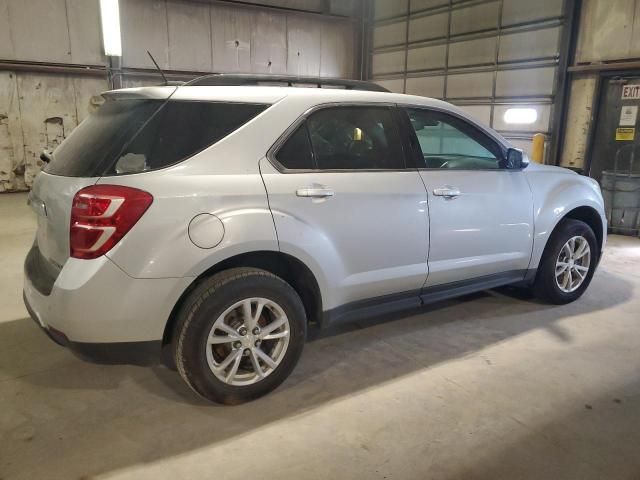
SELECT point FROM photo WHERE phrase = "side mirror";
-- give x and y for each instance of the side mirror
(516, 159)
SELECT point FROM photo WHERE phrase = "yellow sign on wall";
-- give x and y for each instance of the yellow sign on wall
(625, 134)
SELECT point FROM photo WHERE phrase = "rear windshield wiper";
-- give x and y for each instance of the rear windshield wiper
(46, 156)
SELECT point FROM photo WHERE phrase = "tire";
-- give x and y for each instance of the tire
(546, 286)
(200, 364)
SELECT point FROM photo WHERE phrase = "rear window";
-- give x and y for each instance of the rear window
(132, 136)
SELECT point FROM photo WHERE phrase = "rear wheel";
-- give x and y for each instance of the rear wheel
(568, 263)
(240, 334)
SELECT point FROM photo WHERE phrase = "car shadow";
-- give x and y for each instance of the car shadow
(51, 398)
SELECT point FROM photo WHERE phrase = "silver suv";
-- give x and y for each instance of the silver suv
(218, 220)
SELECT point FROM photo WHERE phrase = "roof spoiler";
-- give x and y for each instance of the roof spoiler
(237, 80)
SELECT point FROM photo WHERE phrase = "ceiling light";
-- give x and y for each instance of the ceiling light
(110, 18)
(521, 116)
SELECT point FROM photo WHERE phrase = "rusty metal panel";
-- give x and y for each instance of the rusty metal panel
(84, 32)
(87, 95)
(11, 138)
(39, 30)
(269, 43)
(48, 107)
(426, 86)
(336, 50)
(390, 34)
(303, 46)
(189, 36)
(472, 52)
(424, 4)
(231, 37)
(425, 58)
(579, 118)
(607, 31)
(388, 62)
(6, 42)
(144, 27)
(470, 85)
(428, 27)
(530, 44)
(473, 19)
(525, 82)
(521, 11)
(389, 8)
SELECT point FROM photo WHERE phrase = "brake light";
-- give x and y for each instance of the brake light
(101, 215)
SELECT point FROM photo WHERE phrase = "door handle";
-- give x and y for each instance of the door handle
(315, 192)
(447, 192)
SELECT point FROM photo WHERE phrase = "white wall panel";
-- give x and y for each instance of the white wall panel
(470, 85)
(481, 113)
(425, 58)
(428, 27)
(269, 43)
(389, 34)
(530, 44)
(426, 86)
(423, 4)
(395, 85)
(84, 32)
(526, 82)
(39, 30)
(336, 57)
(476, 18)
(231, 37)
(189, 28)
(388, 62)
(521, 11)
(472, 52)
(144, 27)
(303, 47)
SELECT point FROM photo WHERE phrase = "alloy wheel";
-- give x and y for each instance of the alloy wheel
(572, 264)
(248, 341)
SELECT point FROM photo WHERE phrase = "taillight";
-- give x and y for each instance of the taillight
(101, 215)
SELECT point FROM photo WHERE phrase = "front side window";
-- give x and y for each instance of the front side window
(451, 143)
(344, 138)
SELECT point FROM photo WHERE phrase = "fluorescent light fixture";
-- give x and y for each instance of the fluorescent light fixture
(521, 116)
(110, 18)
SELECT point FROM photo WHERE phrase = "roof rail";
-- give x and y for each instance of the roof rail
(241, 79)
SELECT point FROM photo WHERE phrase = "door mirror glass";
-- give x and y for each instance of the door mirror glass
(516, 159)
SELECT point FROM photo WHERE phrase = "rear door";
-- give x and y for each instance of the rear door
(344, 202)
(481, 213)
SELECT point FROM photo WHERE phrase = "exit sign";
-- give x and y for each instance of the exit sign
(631, 92)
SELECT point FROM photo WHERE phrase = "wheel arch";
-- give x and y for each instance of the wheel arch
(591, 217)
(289, 268)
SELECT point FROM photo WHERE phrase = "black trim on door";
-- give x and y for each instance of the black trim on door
(387, 304)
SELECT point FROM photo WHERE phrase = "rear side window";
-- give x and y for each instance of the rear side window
(132, 136)
(296, 153)
(345, 138)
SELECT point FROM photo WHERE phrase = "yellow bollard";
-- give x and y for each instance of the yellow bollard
(537, 150)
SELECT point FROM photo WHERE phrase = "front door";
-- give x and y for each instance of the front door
(344, 203)
(481, 214)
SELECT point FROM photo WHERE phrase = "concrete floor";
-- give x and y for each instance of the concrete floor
(493, 386)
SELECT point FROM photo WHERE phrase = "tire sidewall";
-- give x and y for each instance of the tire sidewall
(208, 307)
(568, 230)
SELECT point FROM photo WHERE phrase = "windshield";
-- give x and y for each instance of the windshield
(133, 136)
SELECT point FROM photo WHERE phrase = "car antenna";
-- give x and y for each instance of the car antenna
(166, 82)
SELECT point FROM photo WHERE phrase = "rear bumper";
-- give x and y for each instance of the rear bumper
(131, 353)
(101, 313)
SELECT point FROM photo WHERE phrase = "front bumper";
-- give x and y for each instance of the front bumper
(101, 313)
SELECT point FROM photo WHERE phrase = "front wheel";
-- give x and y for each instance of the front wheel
(567, 264)
(240, 334)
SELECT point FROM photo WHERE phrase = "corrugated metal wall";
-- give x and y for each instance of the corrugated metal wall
(485, 56)
(38, 110)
